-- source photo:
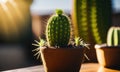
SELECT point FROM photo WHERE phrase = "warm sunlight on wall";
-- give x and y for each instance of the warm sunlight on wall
(13, 17)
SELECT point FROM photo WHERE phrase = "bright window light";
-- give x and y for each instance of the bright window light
(3, 1)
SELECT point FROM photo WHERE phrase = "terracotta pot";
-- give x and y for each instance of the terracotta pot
(62, 59)
(108, 56)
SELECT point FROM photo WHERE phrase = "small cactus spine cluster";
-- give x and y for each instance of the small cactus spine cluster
(113, 36)
(58, 29)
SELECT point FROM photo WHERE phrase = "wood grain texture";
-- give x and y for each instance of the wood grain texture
(86, 67)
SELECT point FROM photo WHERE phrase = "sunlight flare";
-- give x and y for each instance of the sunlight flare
(13, 18)
(3, 1)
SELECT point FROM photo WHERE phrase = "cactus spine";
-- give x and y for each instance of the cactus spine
(113, 36)
(92, 19)
(58, 29)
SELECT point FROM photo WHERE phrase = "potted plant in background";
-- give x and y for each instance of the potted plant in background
(109, 54)
(91, 20)
(59, 53)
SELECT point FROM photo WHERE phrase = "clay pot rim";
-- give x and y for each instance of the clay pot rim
(105, 46)
(62, 47)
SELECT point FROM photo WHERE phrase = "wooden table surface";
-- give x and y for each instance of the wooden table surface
(86, 67)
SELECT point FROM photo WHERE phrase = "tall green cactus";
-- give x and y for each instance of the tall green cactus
(58, 29)
(92, 19)
(113, 36)
(79, 18)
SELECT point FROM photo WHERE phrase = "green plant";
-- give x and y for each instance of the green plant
(58, 29)
(91, 19)
(39, 44)
(113, 36)
(58, 34)
(79, 42)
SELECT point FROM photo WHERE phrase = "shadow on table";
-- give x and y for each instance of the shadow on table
(113, 69)
(16, 56)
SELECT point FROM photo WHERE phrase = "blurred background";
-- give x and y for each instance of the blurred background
(23, 21)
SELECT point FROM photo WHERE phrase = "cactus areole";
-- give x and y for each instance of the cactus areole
(58, 29)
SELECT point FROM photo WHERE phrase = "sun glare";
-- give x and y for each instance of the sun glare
(12, 17)
(3, 1)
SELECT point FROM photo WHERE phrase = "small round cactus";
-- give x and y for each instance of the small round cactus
(58, 29)
(113, 37)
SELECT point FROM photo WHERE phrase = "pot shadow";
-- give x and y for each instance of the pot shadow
(108, 69)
